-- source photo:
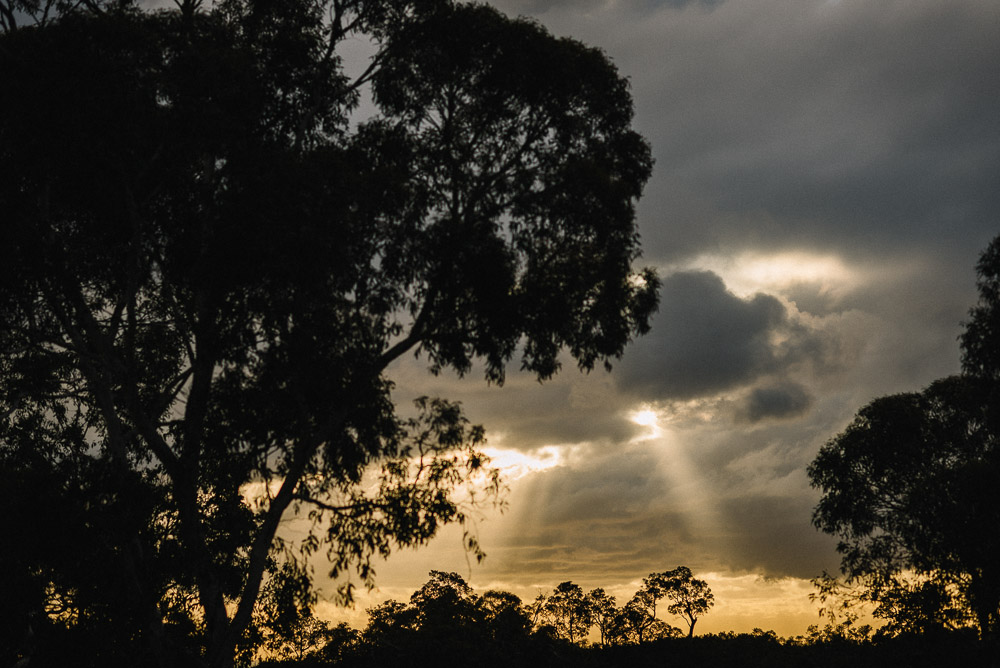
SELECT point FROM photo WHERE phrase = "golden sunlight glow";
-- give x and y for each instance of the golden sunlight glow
(645, 418)
(795, 267)
(748, 273)
(515, 464)
(648, 418)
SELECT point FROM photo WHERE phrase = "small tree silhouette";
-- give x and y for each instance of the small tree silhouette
(689, 597)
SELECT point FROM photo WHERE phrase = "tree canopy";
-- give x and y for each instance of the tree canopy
(687, 596)
(911, 489)
(208, 267)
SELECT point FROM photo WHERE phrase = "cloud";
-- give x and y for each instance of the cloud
(856, 126)
(600, 515)
(641, 6)
(523, 414)
(774, 536)
(706, 340)
(776, 401)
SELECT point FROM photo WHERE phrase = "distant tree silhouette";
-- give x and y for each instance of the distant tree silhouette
(343, 643)
(208, 268)
(980, 342)
(654, 588)
(689, 597)
(604, 611)
(911, 489)
(635, 620)
(504, 616)
(536, 609)
(402, 642)
(921, 607)
(389, 621)
(444, 621)
(445, 604)
(568, 610)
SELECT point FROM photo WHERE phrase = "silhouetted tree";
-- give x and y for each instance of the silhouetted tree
(634, 619)
(505, 619)
(388, 619)
(207, 270)
(445, 604)
(654, 588)
(343, 643)
(921, 607)
(603, 611)
(567, 609)
(536, 609)
(910, 485)
(635, 622)
(689, 597)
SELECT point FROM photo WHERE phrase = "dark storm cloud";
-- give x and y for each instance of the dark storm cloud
(776, 401)
(865, 128)
(707, 340)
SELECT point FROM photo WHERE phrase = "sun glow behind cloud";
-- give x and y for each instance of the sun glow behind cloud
(751, 272)
(647, 418)
(515, 464)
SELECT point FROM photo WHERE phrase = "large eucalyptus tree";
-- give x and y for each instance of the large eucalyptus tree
(209, 263)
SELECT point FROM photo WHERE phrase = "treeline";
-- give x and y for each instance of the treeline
(446, 621)
(446, 610)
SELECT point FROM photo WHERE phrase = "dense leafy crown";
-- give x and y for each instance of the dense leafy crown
(209, 265)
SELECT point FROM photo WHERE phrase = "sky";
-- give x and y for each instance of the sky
(826, 175)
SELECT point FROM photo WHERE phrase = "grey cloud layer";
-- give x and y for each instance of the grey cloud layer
(777, 401)
(819, 123)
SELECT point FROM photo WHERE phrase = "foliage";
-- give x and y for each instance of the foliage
(445, 604)
(208, 269)
(444, 618)
(841, 607)
(689, 597)
(981, 339)
(636, 622)
(921, 607)
(568, 610)
(910, 488)
(571, 615)
(285, 620)
(603, 613)
(505, 618)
